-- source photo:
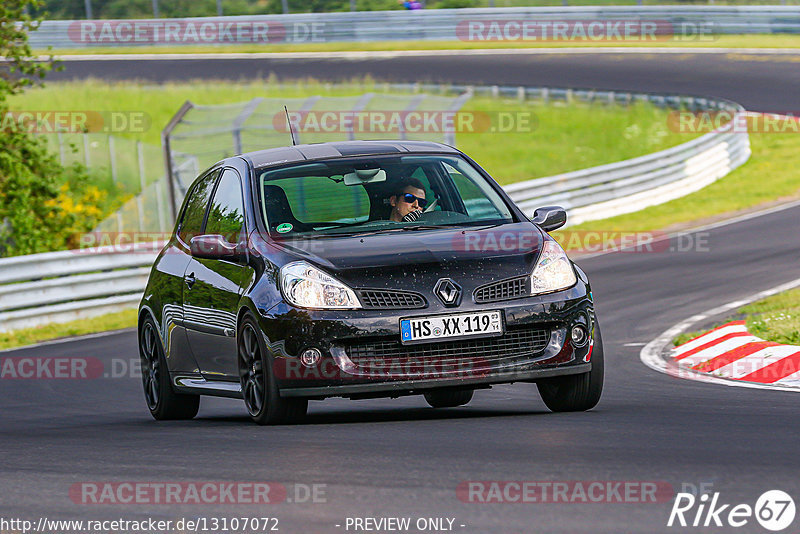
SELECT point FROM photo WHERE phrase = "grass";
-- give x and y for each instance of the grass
(103, 323)
(565, 138)
(770, 175)
(712, 41)
(688, 336)
(775, 318)
(556, 137)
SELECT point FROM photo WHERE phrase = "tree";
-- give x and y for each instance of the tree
(32, 181)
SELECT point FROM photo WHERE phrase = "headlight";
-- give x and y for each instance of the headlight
(305, 286)
(553, 271)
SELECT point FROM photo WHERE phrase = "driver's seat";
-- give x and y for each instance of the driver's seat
(279, 211)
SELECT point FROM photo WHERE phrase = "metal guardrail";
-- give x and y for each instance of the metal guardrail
(70, 285)
(428, 25)
(629, 185)
(634, 184)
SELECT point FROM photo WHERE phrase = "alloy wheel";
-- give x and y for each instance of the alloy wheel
(251, 370)
(151, 366)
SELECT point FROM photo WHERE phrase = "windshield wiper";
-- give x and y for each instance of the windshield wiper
(495, 225)
(428, 227)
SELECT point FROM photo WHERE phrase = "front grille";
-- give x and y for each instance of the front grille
(397, 359)
(382, 299)
(505, 290)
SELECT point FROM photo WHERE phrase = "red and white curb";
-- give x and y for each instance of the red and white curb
(731, 352)
(728, 355)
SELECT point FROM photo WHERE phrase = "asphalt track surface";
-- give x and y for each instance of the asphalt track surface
(400, 458)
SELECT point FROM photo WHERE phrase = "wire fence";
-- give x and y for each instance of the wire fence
(203, 135)
(126, 168)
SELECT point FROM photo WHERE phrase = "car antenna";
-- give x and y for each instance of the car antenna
(291, 130)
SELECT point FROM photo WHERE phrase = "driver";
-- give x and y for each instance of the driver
(408, 200)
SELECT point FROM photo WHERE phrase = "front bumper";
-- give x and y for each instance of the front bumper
(411, 387)
(289, 331)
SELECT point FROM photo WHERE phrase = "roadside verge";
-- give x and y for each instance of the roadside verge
(728, 355)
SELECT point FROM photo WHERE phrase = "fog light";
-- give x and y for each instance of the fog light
(310, 357)
(579, 336)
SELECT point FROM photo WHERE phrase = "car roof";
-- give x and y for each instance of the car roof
(298, 153)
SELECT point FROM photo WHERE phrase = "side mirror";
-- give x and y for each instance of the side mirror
(213, 247)
(550, 218)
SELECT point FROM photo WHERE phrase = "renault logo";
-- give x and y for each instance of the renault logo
(448, 291)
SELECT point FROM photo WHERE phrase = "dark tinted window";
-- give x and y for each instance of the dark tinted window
(192, 222)
(226, 216)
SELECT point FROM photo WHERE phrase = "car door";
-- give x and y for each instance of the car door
(171, 266)
(213, 287)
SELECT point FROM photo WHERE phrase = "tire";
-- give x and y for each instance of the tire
(259, 387)
(448, 398)
(576, 393)
(162, 401)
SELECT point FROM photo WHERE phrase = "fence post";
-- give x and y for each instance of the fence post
(142, 185)
(160, 207)
(412, 106)
(112, 158)
(88, 5)
(285, 6)
(87, 160)
(239, 121)
(61, 149)
(450, 137)
(155, 9)
(165, 133)
(360, 105)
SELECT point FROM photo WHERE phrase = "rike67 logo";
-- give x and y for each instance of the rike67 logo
(774, 510)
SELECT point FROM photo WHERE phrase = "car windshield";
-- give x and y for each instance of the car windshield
(377, 194)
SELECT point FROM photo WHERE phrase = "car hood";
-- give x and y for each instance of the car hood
(471, 257)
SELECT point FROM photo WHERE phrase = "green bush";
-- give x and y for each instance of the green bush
(43, 205)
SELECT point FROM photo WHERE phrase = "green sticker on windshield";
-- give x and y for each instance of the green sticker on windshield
(285, 227)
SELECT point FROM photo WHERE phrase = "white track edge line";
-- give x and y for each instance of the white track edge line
(733, 220)
(61, 340)
(650, 354)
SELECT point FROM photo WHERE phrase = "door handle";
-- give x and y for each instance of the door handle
(190, 280)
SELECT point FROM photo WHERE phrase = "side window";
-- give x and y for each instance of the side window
(226, 216)
(195, 212)
(474, 197)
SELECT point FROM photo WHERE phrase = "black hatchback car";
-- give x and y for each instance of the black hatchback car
(362, 269)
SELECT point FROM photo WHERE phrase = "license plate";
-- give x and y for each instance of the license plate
(448, 327)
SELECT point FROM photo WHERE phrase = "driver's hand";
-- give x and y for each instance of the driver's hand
(412, 216)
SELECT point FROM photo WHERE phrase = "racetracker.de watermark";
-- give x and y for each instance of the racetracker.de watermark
(583, 241)
(591, 30)
(196, 32)
(68, 368)
(399, 122)
(563, 492)
(399, 366)
(202, 493)
(699, 122)
(75, 121)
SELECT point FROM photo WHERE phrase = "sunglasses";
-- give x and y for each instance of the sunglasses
(409, 198)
